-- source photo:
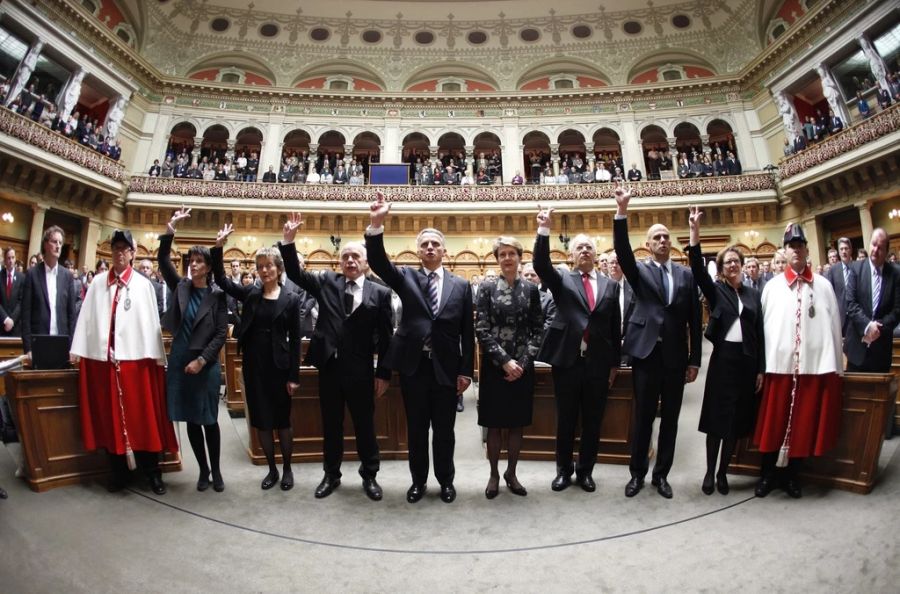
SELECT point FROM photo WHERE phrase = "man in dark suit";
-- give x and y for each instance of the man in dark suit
(835, 124)
(666, 314)
(354, 322)
(548, 306)
(754, 278)
(270, 176)
(839, 277)
(583, 345)
(873, 309)
(799, 143)
(634, 174)
(11, 284)
(433, 349)
(48, 298)
(626, 298)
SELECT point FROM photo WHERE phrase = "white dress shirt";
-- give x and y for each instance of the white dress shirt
(52, 275)
(355, 287)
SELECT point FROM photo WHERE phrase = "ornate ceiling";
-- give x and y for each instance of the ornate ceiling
(488, 45)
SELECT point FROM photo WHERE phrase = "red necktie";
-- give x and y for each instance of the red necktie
(9, 282)
(589, 290)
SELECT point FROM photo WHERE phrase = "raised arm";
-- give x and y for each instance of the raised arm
(226, 284)
(305, 280)
(378, 259)
(541, 253)
(170, 274)
(621, 243)
(701, 276)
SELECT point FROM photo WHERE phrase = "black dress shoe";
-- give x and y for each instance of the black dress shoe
(372, 489)
(156, 483)
(765, 486)
(722, 484)
(3, 494)
(561, 482)
(792, 488)
(203, 481)
(587, 483)
(327, 486)
(634, 486)
(459, 404)
(448, 493)
(493, 488)
(516, 490)
(270, 480)
(709, 484)
(217, 482)
(663, 487)
(415, 493)
(287, 480)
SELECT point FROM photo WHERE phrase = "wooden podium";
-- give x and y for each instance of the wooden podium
(45, 404)
(853, 463)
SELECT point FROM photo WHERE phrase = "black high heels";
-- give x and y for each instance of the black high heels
(516, 490)
(708, 484)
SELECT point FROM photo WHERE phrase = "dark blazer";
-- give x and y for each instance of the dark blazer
(877, 357)
(355, 339)
(452, 331)
(285, 328)
(760, 283)
(562, 342)
(36, 304)
(548, 308)
(306, 302)
(210, 327)
(835, 276)
(11, 307)
(723, 311)
(677, 324)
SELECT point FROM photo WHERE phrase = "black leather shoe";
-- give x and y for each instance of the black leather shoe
(493, 488)
(792, 488)
(561, 482)
(3, 494)
(327, 486)
(270, 480)
(587, 483)
(765, 486)
(372, 489)
(217, 482)
(722, 484)
(459, 404)
(709, 484)
(516, 490)
(634, 486)
(448, 493)
(415, 493)
(203, 481)
(287, 480)
(663, 487)
(156, 483)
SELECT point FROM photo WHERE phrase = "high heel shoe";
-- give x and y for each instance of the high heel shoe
(708, 484)
(287, 481)
(203, 481)
(217, 482)
(270, 480)
(520, 490)
(722, 484)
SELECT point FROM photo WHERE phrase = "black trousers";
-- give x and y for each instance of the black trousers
(655, 383)
(577, 394)
(429, 404)
(338, 388)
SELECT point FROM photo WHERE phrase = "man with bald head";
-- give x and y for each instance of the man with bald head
(663, 339)
(873, 309)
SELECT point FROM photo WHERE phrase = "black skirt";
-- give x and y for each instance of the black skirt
(730, 402)
(503, 404)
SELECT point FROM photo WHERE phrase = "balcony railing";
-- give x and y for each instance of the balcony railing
(877, 126)
(274, 191)
(42, 137)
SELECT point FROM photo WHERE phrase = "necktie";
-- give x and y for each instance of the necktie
(663, 274)
(348, 298)
(876, 291)
(433, 298)
(589, 290)
(9, 282)
(846, 274)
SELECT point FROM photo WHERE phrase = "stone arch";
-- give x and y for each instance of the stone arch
(233, 59)
(454, 70)
(557, 66)
(668, 57)
(346, 67)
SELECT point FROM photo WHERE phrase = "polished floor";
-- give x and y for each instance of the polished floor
(83, 539)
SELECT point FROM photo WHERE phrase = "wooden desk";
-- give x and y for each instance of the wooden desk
(306, 419)
(895, 368)
(853, 463)
(539, 438)
(49, 423)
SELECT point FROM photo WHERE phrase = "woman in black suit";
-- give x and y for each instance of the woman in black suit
(269, 338)
(737, 363)
(509, 326)
(198, 321)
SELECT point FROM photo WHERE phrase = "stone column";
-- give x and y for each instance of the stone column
(512, 151)
(554, 157)
(815, 237)
(37, 229)
(24, 71)
(272, 145)
(470, 159)
(229, 150)
(90, 238)
(68, 96)
(865, 221)
(705, 145)
(114, 117)
(632, 151)
(195, 152)
(589, 156)
(312, 157)
(832, 94)
(673, 147)
(789, 118)
(876, 63)
(433, 154)
(348, 156)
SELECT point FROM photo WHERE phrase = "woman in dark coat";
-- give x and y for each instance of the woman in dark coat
(509, 326)
(198, 321)
(269, 338)
(737, 363)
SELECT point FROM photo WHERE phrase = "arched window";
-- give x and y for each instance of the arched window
(451, 87)
(231, 77)
(338, 85)
(563, 83)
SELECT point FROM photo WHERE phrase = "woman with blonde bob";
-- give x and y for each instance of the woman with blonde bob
(269, 337)
(509, 326)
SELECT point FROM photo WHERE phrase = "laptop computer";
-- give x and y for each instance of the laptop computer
(49, 351)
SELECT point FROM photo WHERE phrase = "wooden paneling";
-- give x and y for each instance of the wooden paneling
(852, 464)
(895, 368)
(49, 423)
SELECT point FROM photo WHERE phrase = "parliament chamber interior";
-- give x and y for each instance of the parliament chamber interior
(471, 118)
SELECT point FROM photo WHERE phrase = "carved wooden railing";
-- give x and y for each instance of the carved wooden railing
(274, 191)
(46, 139)
(877, 126)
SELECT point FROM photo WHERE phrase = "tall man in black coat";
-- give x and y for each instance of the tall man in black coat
(48, 298)
(839, 277)
(873, 309)
(666, 314)
(11, 286)
(354, 323)
(583, 345)
(433, 349)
